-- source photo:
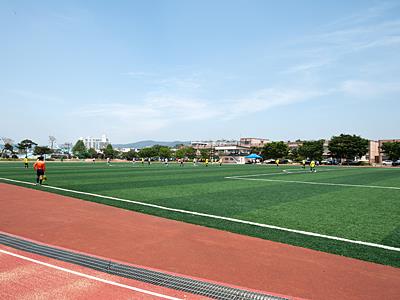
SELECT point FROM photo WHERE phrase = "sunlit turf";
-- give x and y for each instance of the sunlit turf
(357, 213)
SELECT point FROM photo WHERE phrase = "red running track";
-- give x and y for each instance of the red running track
(21, 278)
(191, 250)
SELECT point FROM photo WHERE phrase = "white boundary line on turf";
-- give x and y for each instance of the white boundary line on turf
(284, 172)
(317, 183)
(89, 276)
(215, 216)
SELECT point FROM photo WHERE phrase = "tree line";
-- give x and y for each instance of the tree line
(342, 147)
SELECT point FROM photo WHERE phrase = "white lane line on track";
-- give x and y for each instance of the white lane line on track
(316, 183)
(216, 217)
(89, 276)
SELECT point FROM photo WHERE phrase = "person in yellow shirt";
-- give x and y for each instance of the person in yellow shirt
(206, 162)
(303, 163)
(26, 162)
(312, 166)
(277, 162)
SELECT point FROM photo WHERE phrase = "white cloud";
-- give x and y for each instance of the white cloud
(153, 113)
(137, 74)
(180, 83)
(307, 66)
(367, 89)
(366, 15)
(342, 39)
(163, 111)
(265, 99)
(37, 97)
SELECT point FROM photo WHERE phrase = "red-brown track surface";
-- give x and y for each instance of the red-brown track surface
(22, 279)
(191, 250)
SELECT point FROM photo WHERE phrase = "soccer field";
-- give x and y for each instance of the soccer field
(331, 210)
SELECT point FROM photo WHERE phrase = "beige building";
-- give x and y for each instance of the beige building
(213, 144)
(382, 155)
(253, 142)
(232, 154)
(375, 154)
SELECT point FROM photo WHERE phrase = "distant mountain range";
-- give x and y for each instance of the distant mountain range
(149, 143)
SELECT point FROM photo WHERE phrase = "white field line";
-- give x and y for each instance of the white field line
(284, 172)
(89, 276)
(330, 237)
(317, 183)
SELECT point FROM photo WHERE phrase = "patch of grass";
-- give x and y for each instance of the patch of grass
(369, 215)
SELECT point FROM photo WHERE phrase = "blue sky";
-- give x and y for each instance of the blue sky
(189, 70)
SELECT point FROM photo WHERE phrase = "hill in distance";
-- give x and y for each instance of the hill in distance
(149, 143)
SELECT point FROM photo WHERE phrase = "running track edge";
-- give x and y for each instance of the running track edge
(139, 273)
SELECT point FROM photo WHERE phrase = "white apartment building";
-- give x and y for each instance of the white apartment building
(96, 143)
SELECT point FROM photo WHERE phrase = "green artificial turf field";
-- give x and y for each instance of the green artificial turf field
(257, 193)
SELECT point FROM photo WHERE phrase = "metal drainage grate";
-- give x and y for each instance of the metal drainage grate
(211, 290)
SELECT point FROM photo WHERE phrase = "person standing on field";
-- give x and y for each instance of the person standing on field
(277, 162)
(303, 163)
(26, 162)
(312, 166)
(40, 168)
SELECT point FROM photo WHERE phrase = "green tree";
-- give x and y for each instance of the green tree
(7, 148)
(294, 154)
(147, 152)
(312, 149)
(92, 153)
(164, 152)
(110, 152)
(25, 145)
(205, 153)
(131, 154)
(188, 152)
(42, 150)
(80, 150)
(275, 150)
(180, 153)
(348, 146)
(391, 149)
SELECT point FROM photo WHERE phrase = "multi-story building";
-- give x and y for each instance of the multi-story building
(293, 145)
(213, 144)
(96, 143)
(375, 154)
(232, 154)
(253, 142)
(382, 155)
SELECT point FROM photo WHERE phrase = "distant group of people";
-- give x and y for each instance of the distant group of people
(40, 166)
(313, 164)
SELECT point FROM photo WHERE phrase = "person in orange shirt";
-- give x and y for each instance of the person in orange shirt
(40, 168)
